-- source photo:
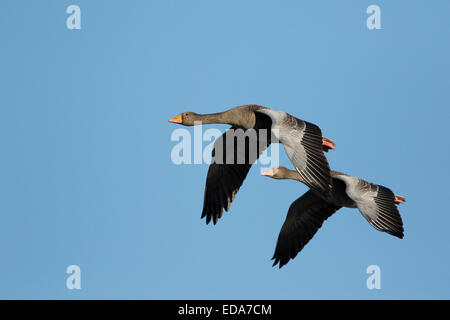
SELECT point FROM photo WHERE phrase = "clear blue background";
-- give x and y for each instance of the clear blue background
(86, 176)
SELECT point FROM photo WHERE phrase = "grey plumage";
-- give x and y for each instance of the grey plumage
(303, 144)
(307, 214)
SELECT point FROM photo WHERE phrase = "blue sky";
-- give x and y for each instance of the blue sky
(86, 176)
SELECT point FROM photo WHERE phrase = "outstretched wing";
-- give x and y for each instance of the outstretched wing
(222, 183)
(376, 203)
(230, 165)
(304, 147)
(304, 218)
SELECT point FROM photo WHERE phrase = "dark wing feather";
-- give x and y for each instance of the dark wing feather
(224, 179)
(303, 146)
(304, 218)
(388, 217)
(222, 183)
(317, 171)
(376, 203)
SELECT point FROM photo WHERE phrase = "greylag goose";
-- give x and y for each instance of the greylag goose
(224, 179)
(306, 214)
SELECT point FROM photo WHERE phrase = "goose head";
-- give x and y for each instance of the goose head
(185, 118)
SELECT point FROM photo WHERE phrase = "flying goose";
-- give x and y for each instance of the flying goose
(224, 179)
(306, 214)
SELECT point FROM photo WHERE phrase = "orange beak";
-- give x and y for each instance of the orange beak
(268, 173)
(176, 119)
